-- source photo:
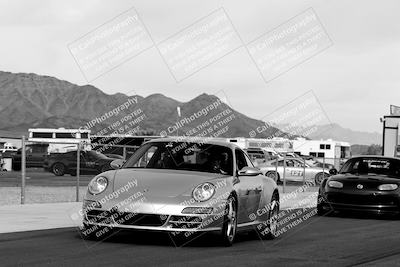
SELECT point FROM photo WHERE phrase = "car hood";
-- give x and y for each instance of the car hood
(369, 181)
(163, 183)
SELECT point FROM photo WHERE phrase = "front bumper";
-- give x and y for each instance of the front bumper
(367, 202)
(168, 218)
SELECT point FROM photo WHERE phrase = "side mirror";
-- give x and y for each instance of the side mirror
(117, 164)
(249, 171)
(333, 171)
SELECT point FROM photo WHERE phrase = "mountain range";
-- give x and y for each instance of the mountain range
(28, 100)
(35, 101)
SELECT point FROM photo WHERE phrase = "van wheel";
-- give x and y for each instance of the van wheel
(58, 169)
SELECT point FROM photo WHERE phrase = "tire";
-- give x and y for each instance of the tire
(58, 169)
(274, 176)
(16, 166)
(319, 177)
(320, 210)
(229, 227)
(268, 230)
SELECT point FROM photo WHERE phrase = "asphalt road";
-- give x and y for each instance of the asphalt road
(332, 241)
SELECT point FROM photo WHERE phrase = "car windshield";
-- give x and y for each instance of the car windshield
(183, 156)
(372, 166)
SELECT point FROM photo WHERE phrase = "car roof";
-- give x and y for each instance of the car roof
(204, 140)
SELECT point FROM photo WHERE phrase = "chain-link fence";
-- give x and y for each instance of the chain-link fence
(42, 172)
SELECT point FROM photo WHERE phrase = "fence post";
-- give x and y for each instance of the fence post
(284, 172)
(124, 152)
(78, 168)
(304, 171)
(23, 169)
(276, 169)
(323, 167)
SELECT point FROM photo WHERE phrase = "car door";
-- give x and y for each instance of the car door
(71, 161)
(249, 188)
(292, 171)
(37, 155)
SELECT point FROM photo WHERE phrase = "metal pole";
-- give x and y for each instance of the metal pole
(323, 167)
(276, 169)
(23, 170)
(78, 168)
(304, 171)
(284, 172)
(124, 152)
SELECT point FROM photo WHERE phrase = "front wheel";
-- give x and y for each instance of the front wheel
(58, 169)
(230, 222)
(320, 177)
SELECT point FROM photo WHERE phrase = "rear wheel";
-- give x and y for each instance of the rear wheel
(269, 229)
(273, 175)
(230, 222)
(58, 169)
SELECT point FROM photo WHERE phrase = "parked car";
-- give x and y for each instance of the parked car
(35, 155)
(260, 156)
(183, 187)
(294, 171)
(91, 162)
(364, 183)
(8, 147)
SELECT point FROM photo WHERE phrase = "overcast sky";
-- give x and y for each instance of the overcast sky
(356, 79)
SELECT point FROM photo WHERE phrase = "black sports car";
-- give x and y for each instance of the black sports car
(366, 184)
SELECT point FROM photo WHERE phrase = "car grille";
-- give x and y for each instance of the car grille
(99, 216)
(185, 222)
(126, 218)
(362, 199)
(140, 219)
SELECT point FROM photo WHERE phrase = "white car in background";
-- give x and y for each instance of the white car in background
(294, 169)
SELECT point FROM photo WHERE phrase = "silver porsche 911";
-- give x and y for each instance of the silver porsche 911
(183, 186)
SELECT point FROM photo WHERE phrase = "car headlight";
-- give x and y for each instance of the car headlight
(98, 185)
(335, 184)
(203, 192)
(388, 187)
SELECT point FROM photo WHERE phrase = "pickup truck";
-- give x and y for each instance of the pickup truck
(91, 162)
(35, 155)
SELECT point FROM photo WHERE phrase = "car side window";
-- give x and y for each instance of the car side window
(240, 160)
(248, 161)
